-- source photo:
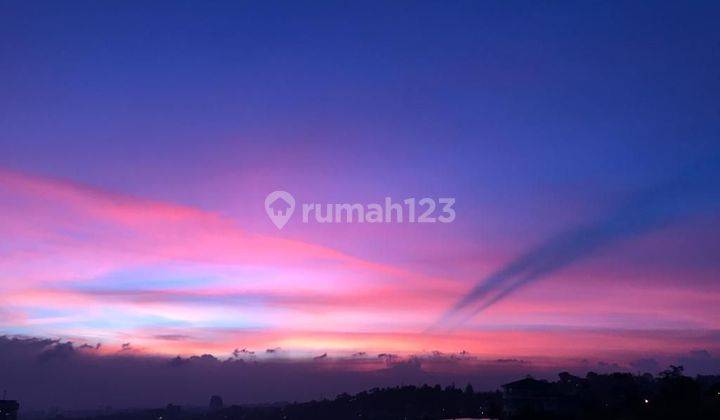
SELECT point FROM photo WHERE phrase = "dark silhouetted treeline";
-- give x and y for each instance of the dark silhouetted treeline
(411, 402)
(671, 395)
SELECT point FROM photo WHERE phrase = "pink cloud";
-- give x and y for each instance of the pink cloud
(64, 241)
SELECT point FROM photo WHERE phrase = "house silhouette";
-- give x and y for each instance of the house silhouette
(529, 395)
(8, 409)
(279, 207)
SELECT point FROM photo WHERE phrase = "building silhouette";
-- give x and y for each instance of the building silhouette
(8, 409)
(216, 403)
(530, 396)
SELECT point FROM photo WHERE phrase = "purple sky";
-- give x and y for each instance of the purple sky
(138, 143)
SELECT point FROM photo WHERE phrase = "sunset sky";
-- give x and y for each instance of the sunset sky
(138, 143)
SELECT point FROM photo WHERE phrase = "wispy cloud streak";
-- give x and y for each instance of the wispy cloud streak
(644, 211)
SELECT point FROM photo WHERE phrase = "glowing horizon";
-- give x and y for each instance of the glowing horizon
(176, 280)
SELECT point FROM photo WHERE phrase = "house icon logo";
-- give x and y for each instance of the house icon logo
(279, 206)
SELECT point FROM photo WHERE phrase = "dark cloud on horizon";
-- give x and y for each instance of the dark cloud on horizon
(700, 360)
(48, 373)
(44, 373)
(646, 365)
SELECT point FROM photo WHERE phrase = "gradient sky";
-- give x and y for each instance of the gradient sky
(138, 142)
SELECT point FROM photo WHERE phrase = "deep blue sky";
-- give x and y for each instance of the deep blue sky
(509, 93)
